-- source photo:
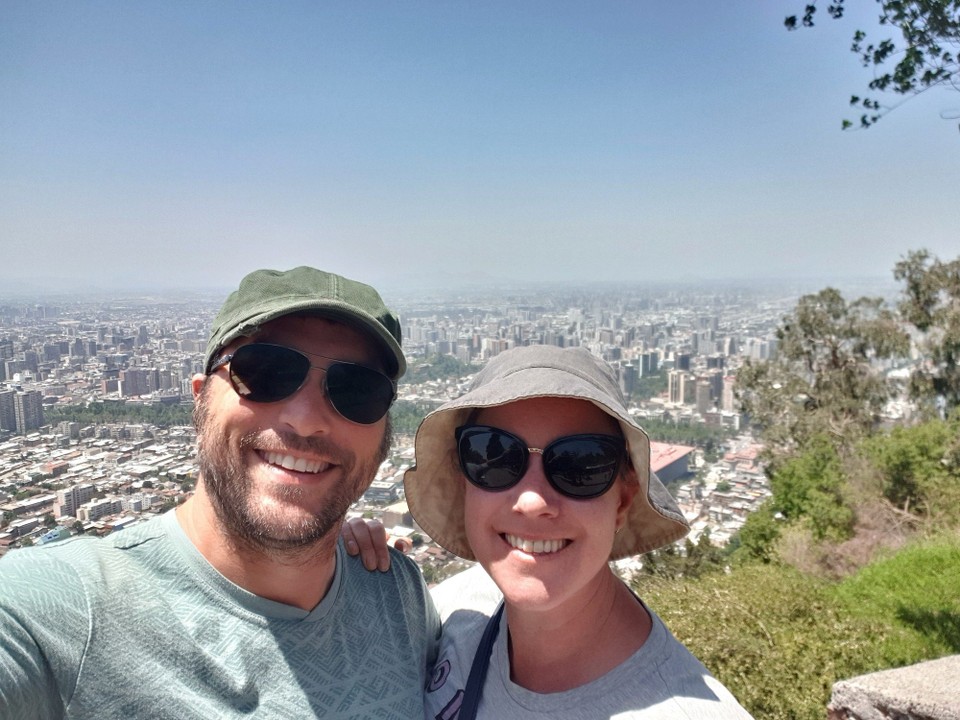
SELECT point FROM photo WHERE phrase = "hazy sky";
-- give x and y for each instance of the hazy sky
(185, 143)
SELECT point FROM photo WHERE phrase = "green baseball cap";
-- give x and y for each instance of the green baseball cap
(266, 295)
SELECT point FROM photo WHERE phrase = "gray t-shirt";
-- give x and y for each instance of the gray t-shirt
(140, 625)
(660, 681)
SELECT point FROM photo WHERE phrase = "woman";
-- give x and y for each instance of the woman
(539, 473)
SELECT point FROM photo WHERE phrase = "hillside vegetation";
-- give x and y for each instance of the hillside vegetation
(853, 565)
(779, 638)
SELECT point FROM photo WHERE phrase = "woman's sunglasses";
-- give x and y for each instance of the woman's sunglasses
(266, 373)
(578, 466)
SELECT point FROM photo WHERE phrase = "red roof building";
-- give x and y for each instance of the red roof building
(668, 461)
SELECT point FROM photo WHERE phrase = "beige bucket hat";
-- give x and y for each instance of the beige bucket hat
(435, 485)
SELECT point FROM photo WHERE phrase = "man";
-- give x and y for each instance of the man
(241, 602)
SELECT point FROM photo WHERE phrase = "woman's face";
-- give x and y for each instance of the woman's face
(542, 548)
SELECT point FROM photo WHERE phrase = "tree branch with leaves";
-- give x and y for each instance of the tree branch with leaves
(925, 56)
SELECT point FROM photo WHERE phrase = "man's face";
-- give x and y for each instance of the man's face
(282, 475)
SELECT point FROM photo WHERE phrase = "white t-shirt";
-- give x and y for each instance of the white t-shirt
(660, 681)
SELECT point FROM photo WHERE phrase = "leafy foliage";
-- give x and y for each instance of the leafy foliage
(916, 590)
(405, 416)
(436, 367)
(931, 304)
(920, 467)
(650, 386)
(756, 539)
(833, 470)
(927, 56)
(809, 486)
(695, 560)
(823, 379)
(779, 639)
(96, 413)
(698, 435)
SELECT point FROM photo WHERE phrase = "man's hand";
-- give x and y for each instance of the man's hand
(368, 538)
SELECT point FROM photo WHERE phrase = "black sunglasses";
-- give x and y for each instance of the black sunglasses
(266, 373)
(578, 466)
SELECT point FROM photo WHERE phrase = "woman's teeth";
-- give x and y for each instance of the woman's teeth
(536, 546)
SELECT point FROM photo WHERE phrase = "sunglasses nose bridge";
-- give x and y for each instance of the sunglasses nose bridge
(321, 384)
(535, 492)
(309, 405)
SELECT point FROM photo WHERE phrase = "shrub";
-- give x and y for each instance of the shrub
(779, 639)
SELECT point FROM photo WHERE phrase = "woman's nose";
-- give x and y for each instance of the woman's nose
(535, 494)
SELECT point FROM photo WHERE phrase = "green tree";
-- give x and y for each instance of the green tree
(435, 367)
(926, 54)
(757, 538)
(931, 304)
(694, 560)
(810, 487)
(405, 416)
(823, 379)
(77, 527)
(919, 467)
(650, 386)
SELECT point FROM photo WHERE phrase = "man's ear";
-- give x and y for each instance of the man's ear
(196, 384)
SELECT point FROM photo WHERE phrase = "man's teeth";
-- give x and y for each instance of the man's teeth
(536, 546)
(289, 462)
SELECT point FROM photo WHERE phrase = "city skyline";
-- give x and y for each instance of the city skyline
(160, 146)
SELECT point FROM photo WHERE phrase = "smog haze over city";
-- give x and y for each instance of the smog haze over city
(180, 145)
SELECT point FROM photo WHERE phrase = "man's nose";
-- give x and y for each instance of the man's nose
(309, 411)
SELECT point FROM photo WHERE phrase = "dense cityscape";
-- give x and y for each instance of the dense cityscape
(675, 350)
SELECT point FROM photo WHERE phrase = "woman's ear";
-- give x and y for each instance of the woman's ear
(629, 486)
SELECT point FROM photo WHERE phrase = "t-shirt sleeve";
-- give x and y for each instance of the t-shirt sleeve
(44, 626)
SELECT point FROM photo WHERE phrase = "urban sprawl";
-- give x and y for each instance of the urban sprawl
(63, 477)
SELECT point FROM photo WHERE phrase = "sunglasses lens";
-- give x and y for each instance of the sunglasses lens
(491, 459)
(583, 466)
(578, 466)
(359, 393)
(267, 373)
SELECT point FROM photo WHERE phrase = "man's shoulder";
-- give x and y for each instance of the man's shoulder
(80, 551)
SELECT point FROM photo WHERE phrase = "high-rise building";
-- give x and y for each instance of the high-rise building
(728, 400)
(678, 382)
(628, 378)
(8, 413)
(649, 364)
(70, 499)
(702, 393)
(28, 408)
(139, 381)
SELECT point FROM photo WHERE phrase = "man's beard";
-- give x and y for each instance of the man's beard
(268, 529)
